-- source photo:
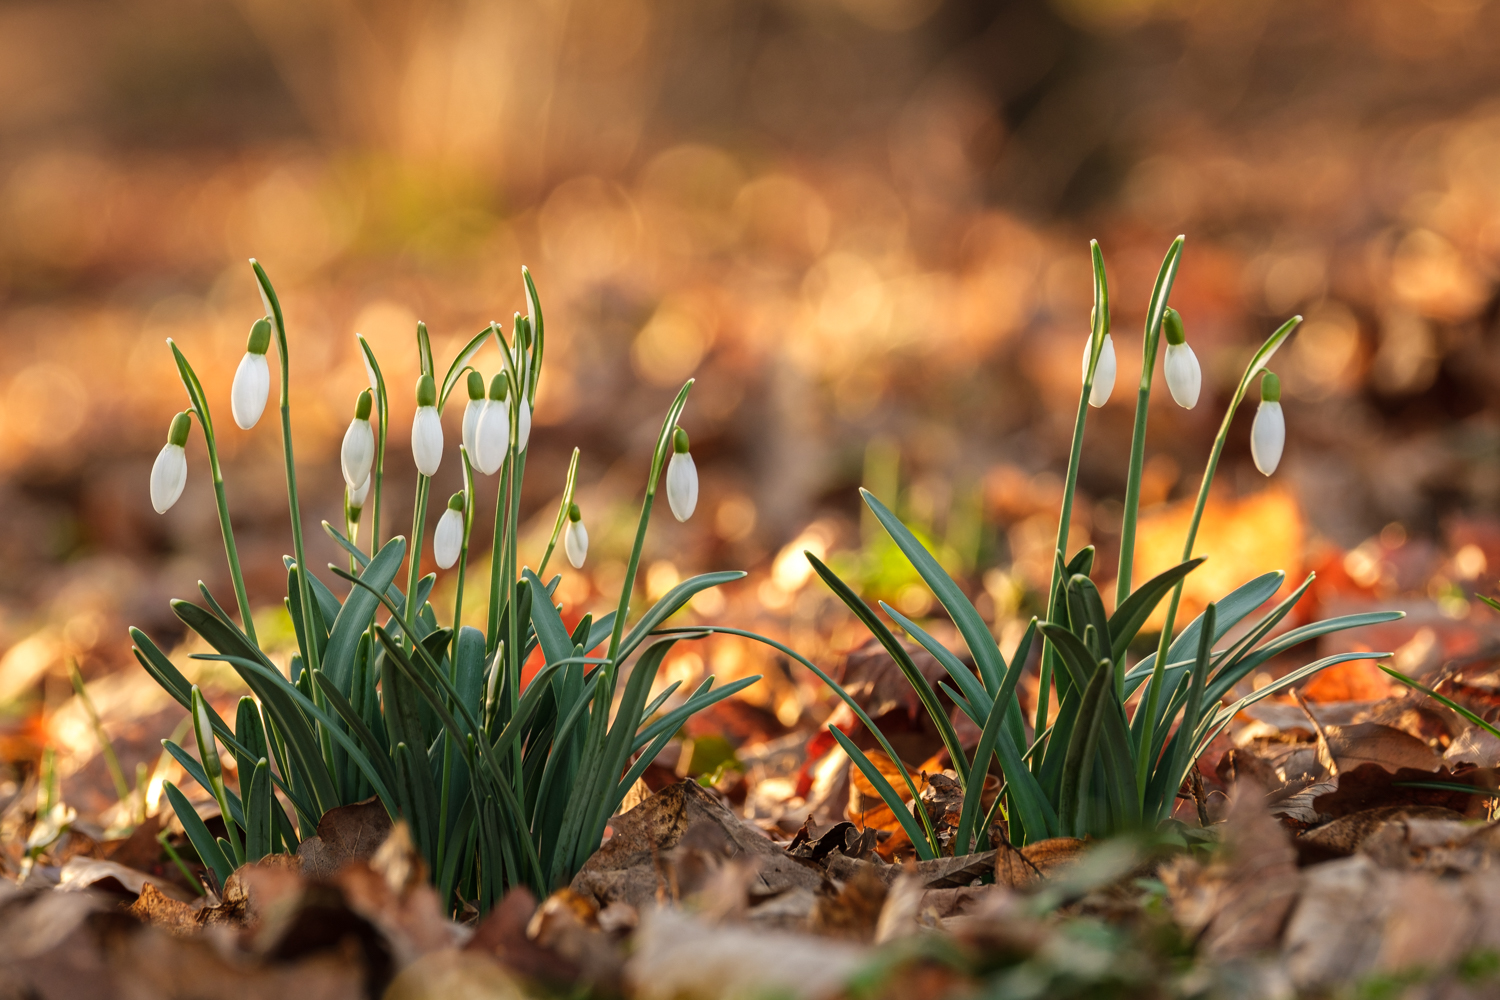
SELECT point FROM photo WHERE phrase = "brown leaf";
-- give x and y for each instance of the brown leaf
(109, 876)
(1370, 785)
(1014, 870)
(345, 834)
(1053, 856)
(152, 906)
(453, 975)
(853, 913)
(502, 935)
(1373, 743)
(1341, 837)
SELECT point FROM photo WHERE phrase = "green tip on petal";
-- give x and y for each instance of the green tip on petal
(476, 385)
(574, 514)
(499, 387)
(456, 502)
(680, 441)
(362, 406)
(1270, 388)
(260, 336)
(178, 433)
(1172, 324)
(426, 391)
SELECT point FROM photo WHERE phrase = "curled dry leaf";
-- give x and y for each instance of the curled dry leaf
(345, 834)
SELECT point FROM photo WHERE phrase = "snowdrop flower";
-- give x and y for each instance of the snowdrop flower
(1268, 434)
(523, 424)
(448, 538)
(1184, 377)
(492, 432)
(358, 453)
(252, 379)
(1104, 372)
(354, 499)
(427, 429)
(576, 537)
(682, 478)
(169, 473)
(472, 413)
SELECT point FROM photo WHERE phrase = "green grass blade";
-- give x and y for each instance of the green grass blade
(358, 611)
(1134, 611)
(203, 842)
(888, 795)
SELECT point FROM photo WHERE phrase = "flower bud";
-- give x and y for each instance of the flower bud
(1268, 433)
(575, 537)
(472, 412)
(682, 478)
(354, 499)
(252, 379)
(1104, 372)
(448, 538)
(169, 472)
(492, 429)
(1184, 377)
(208, 750)
(427, 429)
(358, 452)
(523, 424)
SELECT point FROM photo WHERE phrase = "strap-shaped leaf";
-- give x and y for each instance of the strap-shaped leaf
(1182, 758)
(903, 659)
(968, 621)
(195, 770)
(705, 696)
(973, 690)
(203, 842)
(1231, 674)
(888, 795)
(377, 755)
(973, 794)
(1233, 608)
(258, 813)
(1112, 736)
(1136, 609)
(450, 379)
(1468, 715)
(357, 612)
(1078, 766)
(550, 630)
(671, 602)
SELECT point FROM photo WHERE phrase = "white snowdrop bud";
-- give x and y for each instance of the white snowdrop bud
(169, 473)
(1184, 377)
(472, 413)
(448, 538)
(252, 379)
(1104, 372)
(575, 537)
(427, 429)
(682, 478)
(492, 432)
(208, 751)
(1268, 433)
(358, 452)
(523, 424)
(354, 499)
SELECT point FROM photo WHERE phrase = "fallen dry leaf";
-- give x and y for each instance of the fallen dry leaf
(345, 834)
(109, 876)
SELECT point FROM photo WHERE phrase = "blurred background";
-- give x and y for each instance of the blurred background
(862, 225)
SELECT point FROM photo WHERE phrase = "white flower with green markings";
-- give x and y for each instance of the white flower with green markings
(576, 538)
(169, 472)
(357, 455)
(492, 430)
(448, 538)
(252, 379)
(1184, 377)
(1268, 433)
(682, 478)
(427, 429)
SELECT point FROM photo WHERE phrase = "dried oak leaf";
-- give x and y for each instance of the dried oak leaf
(502, 936)
(345, 834)
(1341, 837)
(1370, 785)
(174, 916)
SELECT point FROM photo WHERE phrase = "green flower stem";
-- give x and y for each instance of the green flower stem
(414, 571)
(463, 553)
(1152, 700)
(1099, 330)
(497, 559)
(1152, 340)
(569, 486)
(513, 650)
(199, 403)
(380, 439)
(304, 592)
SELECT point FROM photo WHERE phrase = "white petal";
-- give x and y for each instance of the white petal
(682, 485)
(1104, 372)
(448, 538)
(427, 440)
(523, 426)
(168, 477)
(1268, 437)
(360, 493)
(493, 435)
(1184, 377)
(471, 427)
(247, 396)
(576, 543)
(358, 452)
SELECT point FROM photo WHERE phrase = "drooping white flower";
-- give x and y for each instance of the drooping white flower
(682, 478)
(355, 497)
(169, 472)
(492, 432)
(575, 538)
(448, 538)
(358, 452)
(1104, 372)
(252, 379)
(1184, 377)
(1268, 433)
(427, 429)
(523, 424)
(472, 412)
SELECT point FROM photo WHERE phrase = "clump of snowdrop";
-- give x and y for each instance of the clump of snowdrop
(448, 537)
(492, 430)
(682, 478)
(252, 379)
(169, 472)
(576, 538)
(1184, 377)
(357, 455)
(427, 429)
(1268, 433)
